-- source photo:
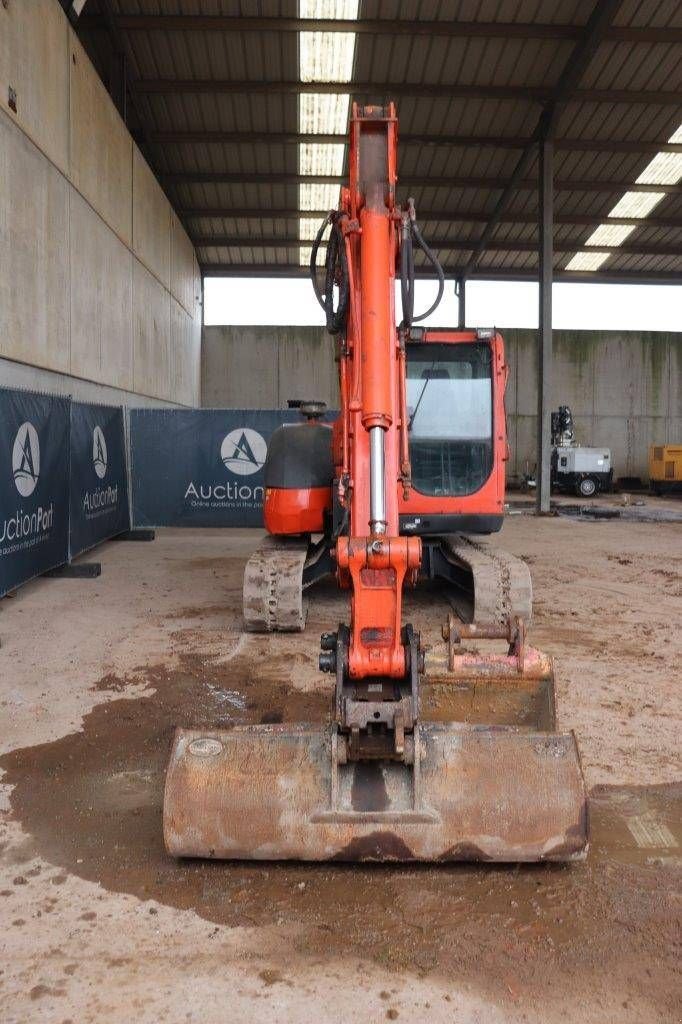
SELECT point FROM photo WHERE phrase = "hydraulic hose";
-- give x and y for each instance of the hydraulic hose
(336, 272)
(410, 235)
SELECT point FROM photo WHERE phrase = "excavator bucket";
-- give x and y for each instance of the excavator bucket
(497, 783)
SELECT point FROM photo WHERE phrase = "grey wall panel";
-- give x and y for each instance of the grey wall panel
(182, 266)
(262, 367)
(151, 334)
(67, 196)
(101, 299)
(184, 355)
(151, 220)
(33, 378)
(34, 253)
(101, 165)
(306, 367)
(34, 62)
(239, 368)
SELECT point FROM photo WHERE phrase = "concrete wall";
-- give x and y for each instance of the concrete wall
(98, 280)
(262, 367)
(624, 388)
(21, 375)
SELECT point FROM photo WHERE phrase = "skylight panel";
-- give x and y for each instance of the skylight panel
(323, 114)
(664, 169)
(636, 204)
(326, 56)
(314, 196)
(587, 261)
(328, 8)
(610, 234)
(308, 227)
(318, 158)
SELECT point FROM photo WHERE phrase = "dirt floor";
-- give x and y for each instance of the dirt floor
(98, 924)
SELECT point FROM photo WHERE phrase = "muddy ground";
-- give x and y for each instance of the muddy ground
(98, 924)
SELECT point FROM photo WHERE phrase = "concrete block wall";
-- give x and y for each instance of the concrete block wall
(98, 280)
(624, 387)
(262, 367)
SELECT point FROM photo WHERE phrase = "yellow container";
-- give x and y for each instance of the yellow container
(665, 467)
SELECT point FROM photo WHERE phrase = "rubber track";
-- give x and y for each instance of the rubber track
(274, 594)
(273, 587)
(501, 583)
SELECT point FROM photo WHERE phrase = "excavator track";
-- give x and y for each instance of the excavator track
(273, 586)
(499, 584)
(488, 585)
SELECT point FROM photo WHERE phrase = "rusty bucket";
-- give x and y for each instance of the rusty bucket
(271, 792)
(487, 778)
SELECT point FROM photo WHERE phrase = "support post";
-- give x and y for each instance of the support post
(460, 292)
(546, 210)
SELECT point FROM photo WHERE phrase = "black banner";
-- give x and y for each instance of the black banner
(99, 483)
(34, 485)
(200, 467)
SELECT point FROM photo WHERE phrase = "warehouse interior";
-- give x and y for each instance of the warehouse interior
(147, 146)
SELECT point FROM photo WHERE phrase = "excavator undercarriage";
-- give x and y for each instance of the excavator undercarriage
(483, 584)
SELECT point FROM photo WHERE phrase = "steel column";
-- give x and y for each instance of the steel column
(460, 292)
(546, 212)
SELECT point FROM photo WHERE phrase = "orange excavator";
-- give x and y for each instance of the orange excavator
(404, 485)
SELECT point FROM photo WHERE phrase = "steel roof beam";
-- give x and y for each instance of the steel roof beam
(533, 94)
(599, 22)
(483, 141)
(529, 184)
(575, 276)
(379, 26)
(425, 216)
(446, 244)
(173, 86)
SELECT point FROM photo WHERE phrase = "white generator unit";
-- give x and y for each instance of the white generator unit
(582, 470)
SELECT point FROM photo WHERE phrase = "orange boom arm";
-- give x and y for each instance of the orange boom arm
(373, 559)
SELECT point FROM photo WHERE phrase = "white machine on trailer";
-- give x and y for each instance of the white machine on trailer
(586, 471)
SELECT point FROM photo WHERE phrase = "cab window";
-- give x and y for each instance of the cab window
(450, 416)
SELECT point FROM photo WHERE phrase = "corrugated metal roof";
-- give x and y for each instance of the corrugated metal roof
(245, 135)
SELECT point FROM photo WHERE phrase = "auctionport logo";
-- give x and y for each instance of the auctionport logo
(99, 452)
(103, 500)
(26, 459)
(243, 451)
